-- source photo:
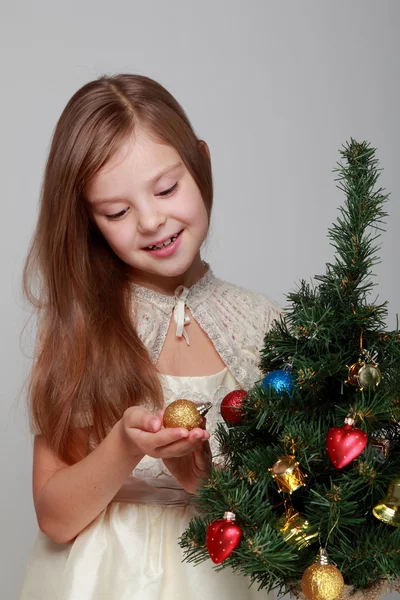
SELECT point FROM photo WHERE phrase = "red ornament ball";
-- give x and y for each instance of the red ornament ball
(222, 537)
(231, 407)
(345, 443)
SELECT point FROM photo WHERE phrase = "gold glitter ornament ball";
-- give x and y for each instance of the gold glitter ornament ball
(322, 580)
(185, 413)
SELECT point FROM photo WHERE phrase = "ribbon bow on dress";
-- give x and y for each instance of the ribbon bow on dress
(181, 318)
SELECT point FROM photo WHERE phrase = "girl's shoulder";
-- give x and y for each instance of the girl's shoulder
(248, 305)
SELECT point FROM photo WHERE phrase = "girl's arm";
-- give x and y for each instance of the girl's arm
(69, 497)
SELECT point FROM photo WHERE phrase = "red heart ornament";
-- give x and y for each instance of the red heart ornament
(344, 444)
(222, 537)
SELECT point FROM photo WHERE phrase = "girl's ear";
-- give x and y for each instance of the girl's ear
(205, 148)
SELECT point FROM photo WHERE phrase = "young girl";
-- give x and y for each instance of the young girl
(130, 319)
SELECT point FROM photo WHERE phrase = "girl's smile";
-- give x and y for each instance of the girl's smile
(166, 247)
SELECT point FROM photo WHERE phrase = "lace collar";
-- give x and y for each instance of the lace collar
(193, 296)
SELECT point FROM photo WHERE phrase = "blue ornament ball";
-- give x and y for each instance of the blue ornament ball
(281, 381)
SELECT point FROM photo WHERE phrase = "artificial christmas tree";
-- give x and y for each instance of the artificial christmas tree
(308, 466)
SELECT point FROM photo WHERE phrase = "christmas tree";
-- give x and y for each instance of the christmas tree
(311, 463)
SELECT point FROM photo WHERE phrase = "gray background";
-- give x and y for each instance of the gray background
(275, 88)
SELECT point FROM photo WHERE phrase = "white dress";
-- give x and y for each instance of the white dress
(131, 550)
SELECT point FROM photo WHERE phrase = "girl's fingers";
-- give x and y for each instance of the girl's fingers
(138, 417)
(207, 448)
(158, 441)
(199, 434)
(153, 437)
(202, 459)
(181, 447)
(177, 450)
(165, 437)
(169, 435)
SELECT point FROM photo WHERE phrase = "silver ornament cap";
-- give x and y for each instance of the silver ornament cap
(204, 408)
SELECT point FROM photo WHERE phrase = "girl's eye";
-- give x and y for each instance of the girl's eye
(163, 194)
(117, 215)
(169, 191)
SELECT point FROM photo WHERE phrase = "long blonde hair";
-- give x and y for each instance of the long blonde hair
(89, 358)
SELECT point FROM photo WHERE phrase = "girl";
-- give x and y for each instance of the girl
(130, 319)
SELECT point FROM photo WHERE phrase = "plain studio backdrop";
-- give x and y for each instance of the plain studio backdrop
(275, 88)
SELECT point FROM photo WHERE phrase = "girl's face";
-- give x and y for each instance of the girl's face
(143, 196)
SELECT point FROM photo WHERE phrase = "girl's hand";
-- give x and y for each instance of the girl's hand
(190, 468)
(142, 433)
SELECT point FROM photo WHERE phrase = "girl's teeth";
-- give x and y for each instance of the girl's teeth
(167, 243)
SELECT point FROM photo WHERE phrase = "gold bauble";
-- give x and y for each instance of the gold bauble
(322, 580)
(185, 413)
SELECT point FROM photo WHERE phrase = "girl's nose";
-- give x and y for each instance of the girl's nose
(150, 220)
